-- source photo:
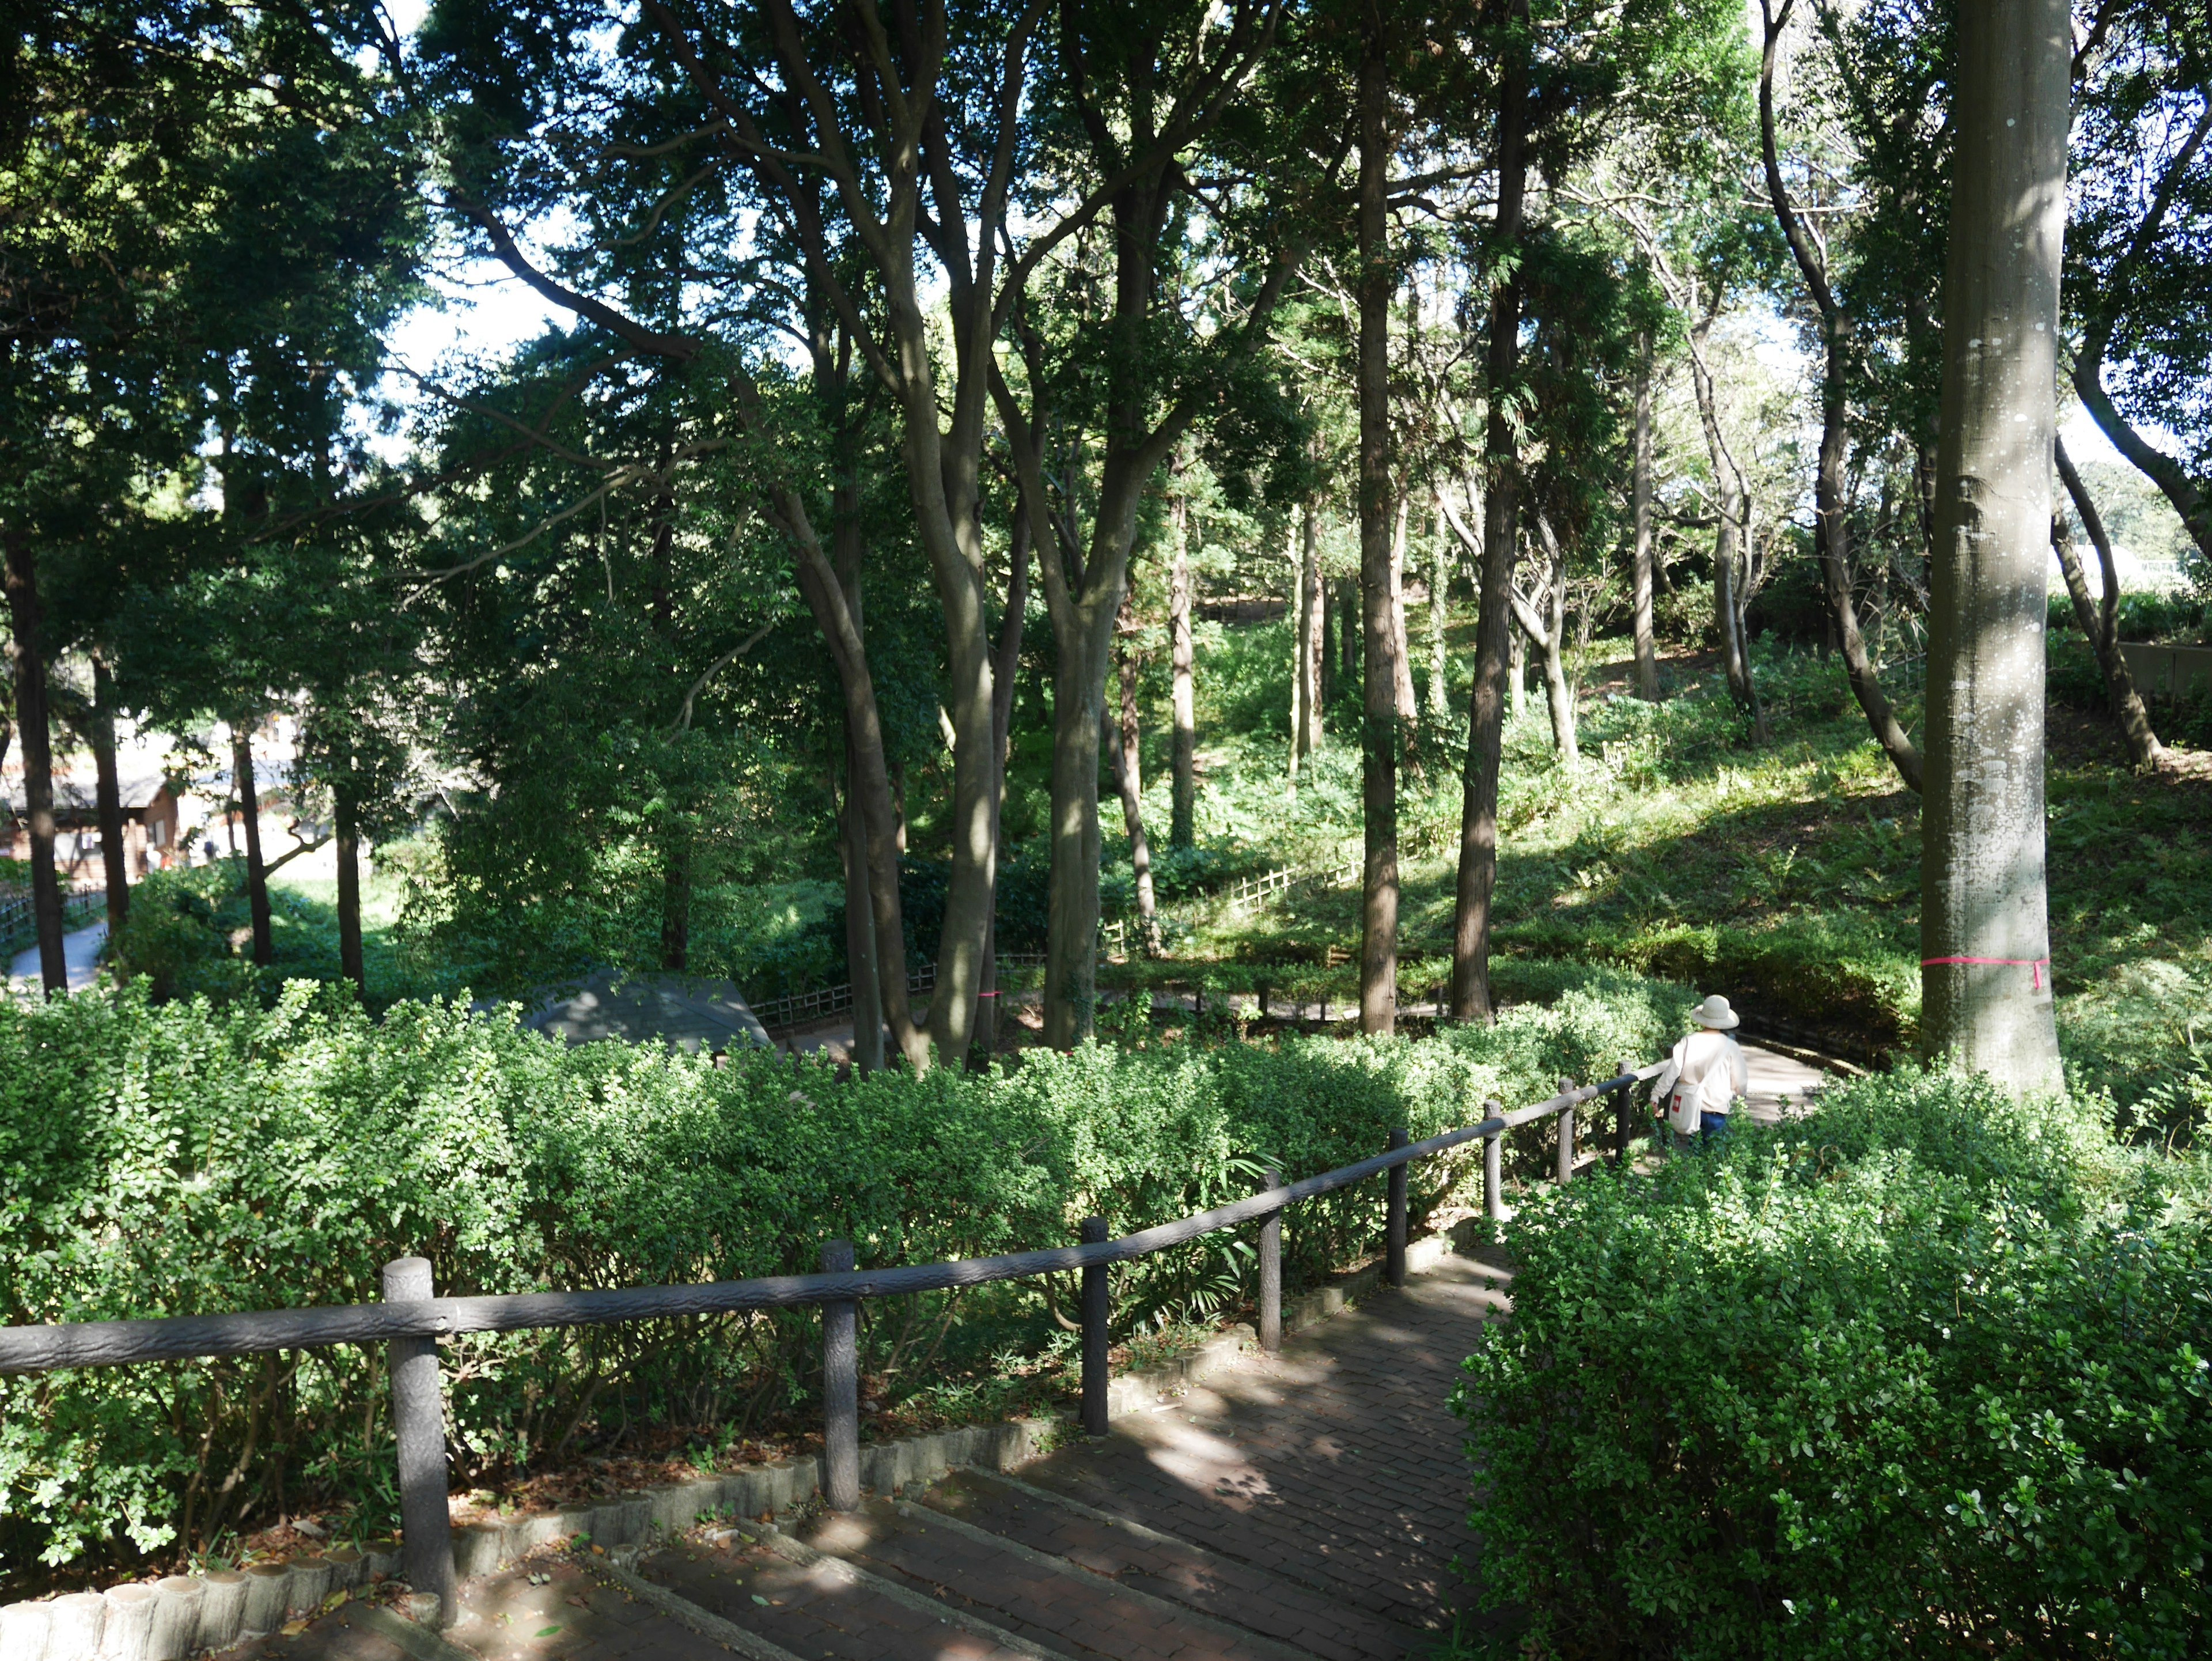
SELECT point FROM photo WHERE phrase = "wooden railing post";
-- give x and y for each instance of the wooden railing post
(1493, 1168)
(1096, 1316)
(840, 1387)
(418, 1422)
(1623, 1104)
(1393, 1260)
(1270, 1273)
(1566, 1170)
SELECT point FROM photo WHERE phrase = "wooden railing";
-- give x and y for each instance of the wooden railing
(797, 1008)
(412, 1318)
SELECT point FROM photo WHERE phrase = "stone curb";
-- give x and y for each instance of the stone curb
(184, 1616)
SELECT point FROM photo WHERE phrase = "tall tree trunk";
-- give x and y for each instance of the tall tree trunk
(1085, 643)
(1516, 678)
(863, 973)
(1477, 833)
(1732, 524)
(676, 899)
(1440, 571)
(114, 859)
(864, 965)
(1986, 997)
(1181, 828)
(1402, 645)
(1547, 629)
(27, 622)
(1351, 621)
(2171, 479)
(1296, 613)
(1647, 646)
(839, 617)
(348, 826)
(1316, 614)
(1381, 607)
(1830, 500)
(257, 868)
(1129, 779)
(2100, 621)
(1004, 672)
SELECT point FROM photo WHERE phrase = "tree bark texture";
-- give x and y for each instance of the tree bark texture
(1440, 571)
(2100, 620)
(1732, 524)
(1295, 613)
(1316, 626)
(114, 859)
(1401, 644)
(1985, 943)
(1478, 836)
(861, 969)
(1182, 661)
(347, 825)
(1129, 778)
(1831, 497)
(1647, 646)
(1351, 622)
(257, 868)
(33, 726)
(1085, 643)
(840, 620)
(1383, 610)
(1006, 671)
(1547, 629)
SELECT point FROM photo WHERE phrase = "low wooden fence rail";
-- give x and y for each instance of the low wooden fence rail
(412, 1318)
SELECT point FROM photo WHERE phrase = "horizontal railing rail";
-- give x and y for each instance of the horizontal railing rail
(411, 1319)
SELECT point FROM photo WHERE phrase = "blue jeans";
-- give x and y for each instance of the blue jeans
(1712, 1130)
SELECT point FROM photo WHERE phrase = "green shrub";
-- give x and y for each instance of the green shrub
(1923, 1372)
(190, 1158)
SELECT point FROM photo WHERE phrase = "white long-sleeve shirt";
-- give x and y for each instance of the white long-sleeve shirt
(1712, 1060)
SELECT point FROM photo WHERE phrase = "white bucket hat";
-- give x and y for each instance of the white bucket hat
(1715, 1012)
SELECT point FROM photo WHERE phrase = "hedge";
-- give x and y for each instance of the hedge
(1925, 1371)
(188, 1159)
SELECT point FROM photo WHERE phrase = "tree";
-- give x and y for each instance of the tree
(1560, 75)
(1984, 933)
(2136, 300)
(137, 141)
(1831, 506)
(2100, 619)
(1380, 616)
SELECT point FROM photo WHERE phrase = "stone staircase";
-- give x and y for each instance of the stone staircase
(1305, 1506)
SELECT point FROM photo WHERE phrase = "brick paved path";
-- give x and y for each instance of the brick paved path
(1336, 1465)
(1307, 1506)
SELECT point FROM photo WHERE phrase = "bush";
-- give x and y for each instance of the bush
(1923, 1372)
(190, 1158)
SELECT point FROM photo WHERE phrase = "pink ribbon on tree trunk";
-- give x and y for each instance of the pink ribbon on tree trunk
(2036, 965)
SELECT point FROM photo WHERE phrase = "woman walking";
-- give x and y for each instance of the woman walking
(1700, 1083)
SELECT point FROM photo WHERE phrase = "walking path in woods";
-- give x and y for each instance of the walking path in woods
(1309, 1506)
(80, 950)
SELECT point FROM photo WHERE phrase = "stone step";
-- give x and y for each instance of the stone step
(1151, 1560)
(817, 1606)
(1037, 1595)
(559, 1606)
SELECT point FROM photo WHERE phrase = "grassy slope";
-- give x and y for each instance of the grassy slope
(1787, 875)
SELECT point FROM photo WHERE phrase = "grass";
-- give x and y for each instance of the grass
(1786, 875)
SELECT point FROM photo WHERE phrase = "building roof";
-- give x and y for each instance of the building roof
(76, 789)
